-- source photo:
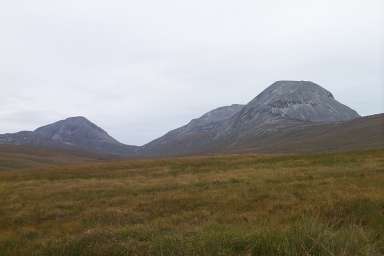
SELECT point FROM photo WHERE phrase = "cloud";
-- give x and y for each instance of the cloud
(139, 69)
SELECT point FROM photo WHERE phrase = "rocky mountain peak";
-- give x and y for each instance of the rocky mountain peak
(300, 100)
(72, 133)
(299, 91)
(74, 130)
(71, 121)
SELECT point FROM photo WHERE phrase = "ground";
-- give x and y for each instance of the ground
(318, 204)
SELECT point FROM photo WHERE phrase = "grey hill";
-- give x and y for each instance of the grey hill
(72, 133)
(282, 105)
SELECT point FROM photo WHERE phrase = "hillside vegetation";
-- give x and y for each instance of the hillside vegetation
(324, 204)
(26, 157)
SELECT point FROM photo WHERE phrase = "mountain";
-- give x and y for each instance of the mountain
(282, 105)
(194, 136)
(76, 133)
(288, 116)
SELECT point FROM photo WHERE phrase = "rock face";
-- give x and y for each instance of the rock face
(301, 100)
(71, 133)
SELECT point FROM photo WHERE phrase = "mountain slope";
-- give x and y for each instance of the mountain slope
(357, 134)
(72, 133)
(195, 137)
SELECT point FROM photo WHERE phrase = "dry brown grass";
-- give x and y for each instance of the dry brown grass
(328, 204)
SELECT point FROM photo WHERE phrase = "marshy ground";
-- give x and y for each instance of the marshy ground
(324, 204)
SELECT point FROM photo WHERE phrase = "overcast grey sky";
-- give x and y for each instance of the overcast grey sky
(141, 68)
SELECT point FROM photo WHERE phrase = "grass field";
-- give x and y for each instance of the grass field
(22, 157)
(326, 204)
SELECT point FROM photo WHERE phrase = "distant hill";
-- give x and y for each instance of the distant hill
(288, 116)
(75, 133)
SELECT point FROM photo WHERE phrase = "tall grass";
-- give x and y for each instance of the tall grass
(328, 204)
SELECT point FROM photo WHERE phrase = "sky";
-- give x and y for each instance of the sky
(141, 68)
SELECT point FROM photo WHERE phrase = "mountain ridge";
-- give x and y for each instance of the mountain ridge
(283, 106)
